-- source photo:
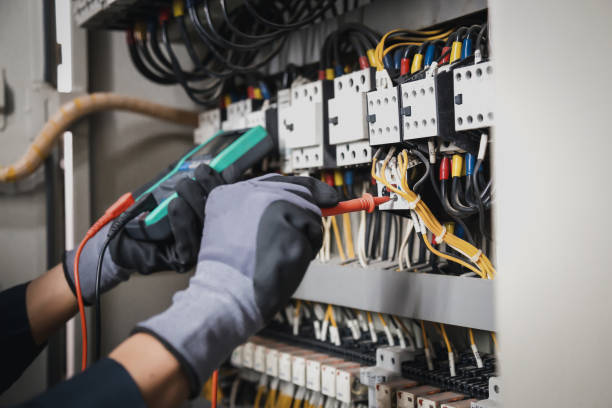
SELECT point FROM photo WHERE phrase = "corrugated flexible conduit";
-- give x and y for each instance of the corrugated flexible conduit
(78, 108)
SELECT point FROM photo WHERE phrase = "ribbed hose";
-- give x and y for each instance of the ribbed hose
(78, 108)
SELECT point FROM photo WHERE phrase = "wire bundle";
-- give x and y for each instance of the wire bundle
(226, 48)
(480, 264)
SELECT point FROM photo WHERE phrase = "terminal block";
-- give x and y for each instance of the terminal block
(236, 115)
(419, 108)
(303, 126)
(209, 123)
(392, 173)
(474, 96)
(348, 128)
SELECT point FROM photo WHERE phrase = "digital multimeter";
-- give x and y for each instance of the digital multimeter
(228, 153)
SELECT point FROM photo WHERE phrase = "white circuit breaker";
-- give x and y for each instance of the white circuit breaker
(419, 108)
(348, 128)
(474, 96)
(303, 128)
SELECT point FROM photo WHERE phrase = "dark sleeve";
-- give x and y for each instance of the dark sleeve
(105, 384)
(17, 347)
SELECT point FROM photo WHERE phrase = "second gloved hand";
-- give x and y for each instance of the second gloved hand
(259, 237)
(126, 255)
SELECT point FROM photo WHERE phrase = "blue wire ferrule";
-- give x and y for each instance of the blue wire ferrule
(459, 232)
(430, 54)
(265, 92)
(397, 59)
(469, 164)
(348, 177)
(339, 70)
(388, 61)
(466, 47)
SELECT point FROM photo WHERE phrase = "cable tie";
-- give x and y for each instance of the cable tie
(476, 256)
(440, 237)
(412, 204)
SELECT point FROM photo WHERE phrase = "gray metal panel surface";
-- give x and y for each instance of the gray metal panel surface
(460, 301)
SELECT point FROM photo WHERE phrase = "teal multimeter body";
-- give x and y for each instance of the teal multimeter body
(229, 153)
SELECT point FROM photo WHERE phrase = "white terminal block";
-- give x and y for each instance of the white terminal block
(248, 354)
(302, 126)
(236, 357)
(236, 115)
(313, 370)
(284, 105)
(298, 371)
(384, 116)
(259, 359)
(328, 376)
(272, 362)
(348, 128)
(419, 108)
(392, 173)
(474, 96)
(257, 118)
(391, 358)
(284, 366)
(347, 382)
(209, 123)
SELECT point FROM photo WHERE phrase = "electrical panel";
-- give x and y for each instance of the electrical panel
(366, 121)
(348, 128)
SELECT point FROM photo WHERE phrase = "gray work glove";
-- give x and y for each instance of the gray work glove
(126, 255)
(259, 237)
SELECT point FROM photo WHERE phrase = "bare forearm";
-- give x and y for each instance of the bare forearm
(50, 303)
(154, 369)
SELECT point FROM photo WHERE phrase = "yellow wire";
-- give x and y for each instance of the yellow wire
(472, 342)
(338, 240)
(331, 316)
(297, 403)
(446, 340)
(494, 339)
(348, 235)
(258, 396)
(369, 315)
(430, 221)
(428, 35)
(424, 334)
(298, 304)
(382, 319)
(271, 399)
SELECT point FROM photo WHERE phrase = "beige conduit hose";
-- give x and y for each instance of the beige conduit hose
(78, 108)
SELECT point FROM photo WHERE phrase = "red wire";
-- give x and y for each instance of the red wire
(111, 213)
(215, 382)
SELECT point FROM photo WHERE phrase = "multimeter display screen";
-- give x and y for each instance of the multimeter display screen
(215, 146)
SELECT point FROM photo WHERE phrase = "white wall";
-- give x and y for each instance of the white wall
(552, 171)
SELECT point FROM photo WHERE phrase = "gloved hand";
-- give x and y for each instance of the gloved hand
(259, 237)
(126, 255)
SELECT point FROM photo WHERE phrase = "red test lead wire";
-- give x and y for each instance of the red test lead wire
(112, 212)
(366, 202)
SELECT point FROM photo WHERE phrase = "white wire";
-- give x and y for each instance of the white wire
(404, 245)
(361, 238)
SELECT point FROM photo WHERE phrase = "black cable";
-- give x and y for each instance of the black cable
(97, 307)
(369, 219)
(221, 41)
(152, 30)
(375, 233)
(432, 178)
(481, 210)
(480, 36)
(140, 67)
(387, 237)
(201, 31)
(302, 23)
(144, 204)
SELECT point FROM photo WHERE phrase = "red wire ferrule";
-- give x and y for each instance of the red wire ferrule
(363, 62)
(444, 168)
(404, 66)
